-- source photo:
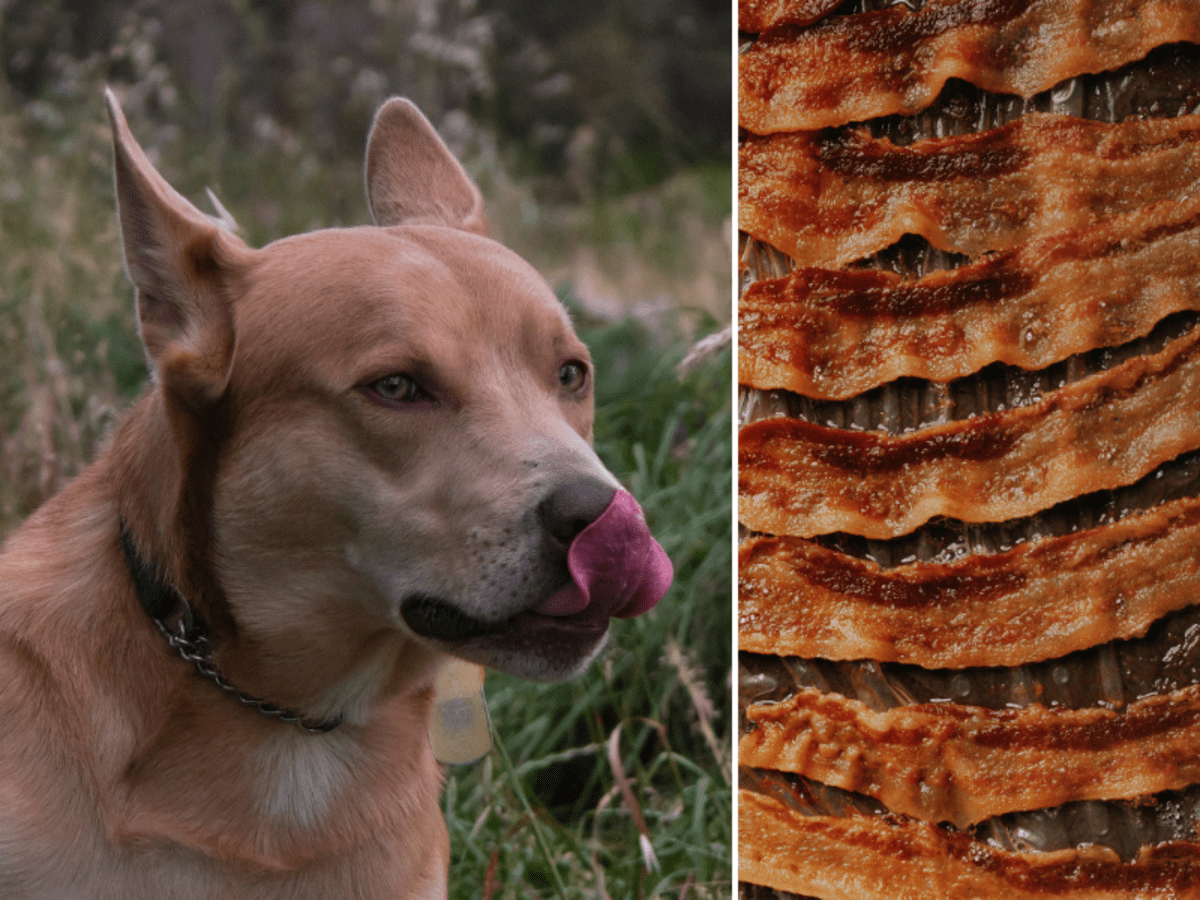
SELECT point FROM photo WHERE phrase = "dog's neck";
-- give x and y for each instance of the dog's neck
(181, 765)
(168, 524)
(169, 459)
(186, 633)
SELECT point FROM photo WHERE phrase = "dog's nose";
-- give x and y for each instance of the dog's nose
(573, 506)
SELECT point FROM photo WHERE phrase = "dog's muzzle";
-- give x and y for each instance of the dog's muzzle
(617, 569)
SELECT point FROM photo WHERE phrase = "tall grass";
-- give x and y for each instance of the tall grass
(69, 354)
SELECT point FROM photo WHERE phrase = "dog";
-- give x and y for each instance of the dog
(363, 451)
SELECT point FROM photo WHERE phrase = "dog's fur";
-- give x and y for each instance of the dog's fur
(297, 502)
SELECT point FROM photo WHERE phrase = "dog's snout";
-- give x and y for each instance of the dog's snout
(573, 506)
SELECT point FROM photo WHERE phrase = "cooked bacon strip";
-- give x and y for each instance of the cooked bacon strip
(1103, 431)
(832, 197)
(945, 762)
(864, 858)
(833, 334)
(759, 15)
(853, 68)
(1040, 600)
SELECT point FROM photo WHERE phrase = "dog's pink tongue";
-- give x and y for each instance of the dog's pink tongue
(617, 567)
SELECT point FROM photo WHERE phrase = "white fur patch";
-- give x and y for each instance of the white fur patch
(298, 776)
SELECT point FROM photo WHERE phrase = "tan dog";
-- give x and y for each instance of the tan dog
(363, 449)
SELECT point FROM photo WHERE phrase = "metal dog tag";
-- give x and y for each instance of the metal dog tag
(460, 732)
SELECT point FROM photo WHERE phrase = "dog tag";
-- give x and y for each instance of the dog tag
(460, 731)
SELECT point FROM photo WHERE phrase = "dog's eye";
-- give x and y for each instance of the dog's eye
(397, 388)
(573, 375)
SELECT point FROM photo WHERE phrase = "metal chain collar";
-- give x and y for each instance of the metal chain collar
(190, 641)
(184, 630)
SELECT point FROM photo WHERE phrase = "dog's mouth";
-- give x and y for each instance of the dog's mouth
(438, 620)
(529, 644)
(617, 570)
(433, 618)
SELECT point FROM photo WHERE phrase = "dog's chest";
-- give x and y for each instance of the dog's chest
(295, 779)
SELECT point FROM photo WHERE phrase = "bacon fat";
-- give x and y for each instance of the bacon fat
(856, 67)
(834, 334)
(1037, 601)
(945, 762)
(831, 197)
(1103, 431)
(759, 15)
(863, 858)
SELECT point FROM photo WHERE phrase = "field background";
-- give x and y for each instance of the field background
(600, 135)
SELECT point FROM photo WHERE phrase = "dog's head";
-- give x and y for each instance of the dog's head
(395, 420)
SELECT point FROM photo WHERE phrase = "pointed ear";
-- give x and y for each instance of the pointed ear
(181, 264)
(413, 178)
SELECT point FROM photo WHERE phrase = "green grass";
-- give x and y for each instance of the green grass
(544, 814)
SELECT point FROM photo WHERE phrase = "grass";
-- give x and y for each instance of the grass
(616, 784)
(68, 340)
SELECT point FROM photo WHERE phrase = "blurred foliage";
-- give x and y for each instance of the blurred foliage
(584, 99)
(68, 341)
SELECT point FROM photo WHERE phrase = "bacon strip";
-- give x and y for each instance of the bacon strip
(832, 197)
(1103, 431)
(945, 762)
(1038, 601)
(864, 858)
(833, 334)
(759, 15)
(853, 68)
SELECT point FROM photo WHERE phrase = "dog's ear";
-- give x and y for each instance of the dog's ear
(180, 263)
(413, 178)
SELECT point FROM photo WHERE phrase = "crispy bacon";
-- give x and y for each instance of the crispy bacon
(857, 67)
(1103, 431)
(945, 762)
(864, 858)
(832, 197)
(1040, 600)
(759, 15)
(833, 334)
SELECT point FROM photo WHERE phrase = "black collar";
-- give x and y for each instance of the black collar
(187, 634)
(158, 598)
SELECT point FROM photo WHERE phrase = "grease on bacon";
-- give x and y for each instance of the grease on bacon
(946, 762)
(1040, 600)
(864, 858)
(759, 15)
(834, 334)
(1103, 431)
(831, 197)
(856, 67)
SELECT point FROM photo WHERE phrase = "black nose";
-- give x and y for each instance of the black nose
(573, 506)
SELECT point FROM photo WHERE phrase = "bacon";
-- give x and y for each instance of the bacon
(832, 197)
(853, 68)
(946, 762)
(864, 858)
(1040, 600)
(833, 334)
(1103, 431)
(759, 15)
